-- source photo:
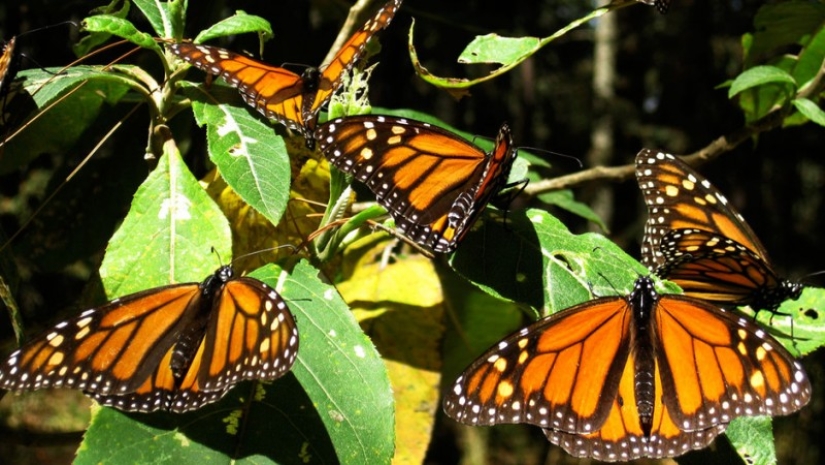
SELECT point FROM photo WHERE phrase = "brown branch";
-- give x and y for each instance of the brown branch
(714, 149)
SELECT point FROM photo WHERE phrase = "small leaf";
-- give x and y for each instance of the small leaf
(752, 437)
(250, 156)
(122, 28)
(239, 23)
(492, 48)
(760, 75)
(810, 109)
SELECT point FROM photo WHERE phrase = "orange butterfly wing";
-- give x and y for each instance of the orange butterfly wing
(275, 92)
(432, 182)
(695, 238)
(678, 197)
(713, 268)
(620, 378)
(331, 75)
(172, 348)
(279, 94)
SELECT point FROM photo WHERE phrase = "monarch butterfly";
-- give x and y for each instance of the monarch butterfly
(278, 93)
(694, 238)
(624, 377)
(433, 182)
(173, 347)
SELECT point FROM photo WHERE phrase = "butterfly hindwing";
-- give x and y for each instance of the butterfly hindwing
(173, 348)
(624, 377)
(694, 237)
(279, 94)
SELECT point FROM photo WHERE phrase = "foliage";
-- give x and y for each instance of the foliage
(359, 394)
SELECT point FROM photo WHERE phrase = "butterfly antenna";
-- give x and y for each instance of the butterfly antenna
(50, 26)
(257, 252)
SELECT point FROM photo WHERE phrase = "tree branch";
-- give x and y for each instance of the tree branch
(714, 149)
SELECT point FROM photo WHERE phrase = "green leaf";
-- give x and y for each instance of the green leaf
(122, 28)
(341, 371)
(492, 48)
(240, 23)
(250, 156)
(168, 235)
(752, 437)
(158, 16)
(799, 324)
(782, 24)
(810, 109)
(810, 59)
(86, 44)
(564, 199)
(90, 89)
(758, 76)
(553, 268)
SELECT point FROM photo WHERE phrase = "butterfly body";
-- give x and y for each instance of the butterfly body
(175, 347)
(623, 377)
(279, 94)
(433, 183)
(694, 237)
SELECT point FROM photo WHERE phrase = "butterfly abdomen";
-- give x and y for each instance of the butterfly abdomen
(643, 300)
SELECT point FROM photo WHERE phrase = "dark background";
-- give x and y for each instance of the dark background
(668, 68)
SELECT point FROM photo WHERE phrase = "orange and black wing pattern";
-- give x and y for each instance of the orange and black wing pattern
(694, 237)
(433, 182)
(279, 94)
(172, 348)
(9, 62)
(619, 378)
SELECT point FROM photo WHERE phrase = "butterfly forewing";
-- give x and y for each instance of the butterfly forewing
(695, 238)
(619, 378)
(539, 374)
(678, 198)
(433, 182)
(279, 94)
(109, 349)
(724, 367)
(169, 348)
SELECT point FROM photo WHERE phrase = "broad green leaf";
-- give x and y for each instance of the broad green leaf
(810, 109)
(761, 75)
(492, 48)
(400, 307)
(564, 199)
(810, 59)
(553, 268)
(798, 324)
(158, 16)
(170, 232)
(752, 437)
(239, 23)
(122, 28)
(250, 156)
(341, 371)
